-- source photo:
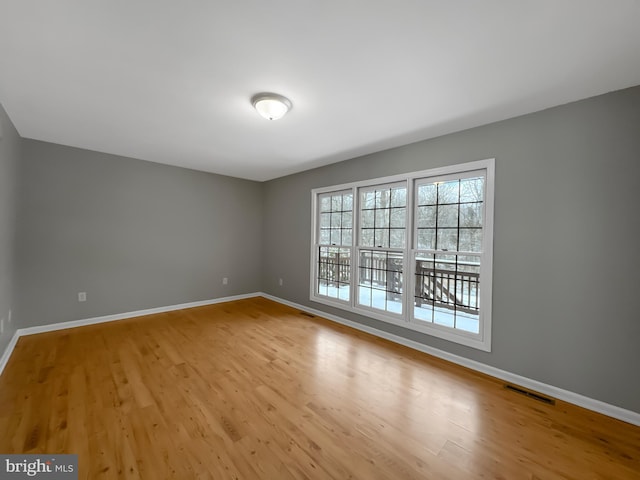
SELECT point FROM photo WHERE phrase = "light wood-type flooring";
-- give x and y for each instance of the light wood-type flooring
(255, 390)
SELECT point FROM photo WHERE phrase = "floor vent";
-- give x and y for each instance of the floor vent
(530, 394)
(307, 314)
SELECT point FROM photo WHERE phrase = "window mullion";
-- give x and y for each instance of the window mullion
(355, 239)
(408, 267)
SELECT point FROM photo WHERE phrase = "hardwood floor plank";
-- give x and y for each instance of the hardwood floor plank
(256, 390)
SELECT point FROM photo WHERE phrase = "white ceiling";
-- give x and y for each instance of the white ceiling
(170, 81)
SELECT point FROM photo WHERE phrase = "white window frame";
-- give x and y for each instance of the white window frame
(482, 340)
(316, 245)
(384, 315)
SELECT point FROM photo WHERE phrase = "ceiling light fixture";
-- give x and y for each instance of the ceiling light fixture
(271, 105)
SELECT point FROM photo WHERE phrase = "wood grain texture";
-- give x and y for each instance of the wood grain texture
(255, 390)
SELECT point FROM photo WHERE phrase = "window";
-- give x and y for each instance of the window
(414, 250)
(334, 232)
(448, 250)
(381, 244)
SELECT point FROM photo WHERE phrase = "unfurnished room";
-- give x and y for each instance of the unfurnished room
(319, 240)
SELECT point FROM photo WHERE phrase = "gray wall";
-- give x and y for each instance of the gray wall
(130, 233)
(567, 230)
(10, 143)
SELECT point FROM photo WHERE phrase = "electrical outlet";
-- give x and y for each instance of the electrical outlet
(280, 282)
(1, 326)
(225, 280)
(82, 296)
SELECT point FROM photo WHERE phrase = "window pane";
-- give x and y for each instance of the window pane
(459, 225)
(448, 192)
(335, 216)
(383, 199)
(325, 203)
(396, 238)
(426, 217)
(336, 236)
(366, 237)
(347, 235)
(427, 194)
(447, 291)
(447, 239)
(366, 218)
(365, 276)
(471, 215)
(365, 295)
(427, 239)
(472, 190)
(447, 216)
(347, 220)
(382, 218)
(380, 280)
(334, 272)
(444, 316)
(368, 199)
(347, 202)
(381, 238)
(399, 197)
(398, 216)
(470, 240)
(469, 263)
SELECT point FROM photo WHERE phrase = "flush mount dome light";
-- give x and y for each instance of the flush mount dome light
(271, 105)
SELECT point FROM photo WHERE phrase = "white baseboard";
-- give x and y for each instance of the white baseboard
(559, 393)
(9, 350)
(555, 392)
(138, 313)
(110, 318)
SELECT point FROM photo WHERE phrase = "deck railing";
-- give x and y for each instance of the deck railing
(443, 283)
(335, 269)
